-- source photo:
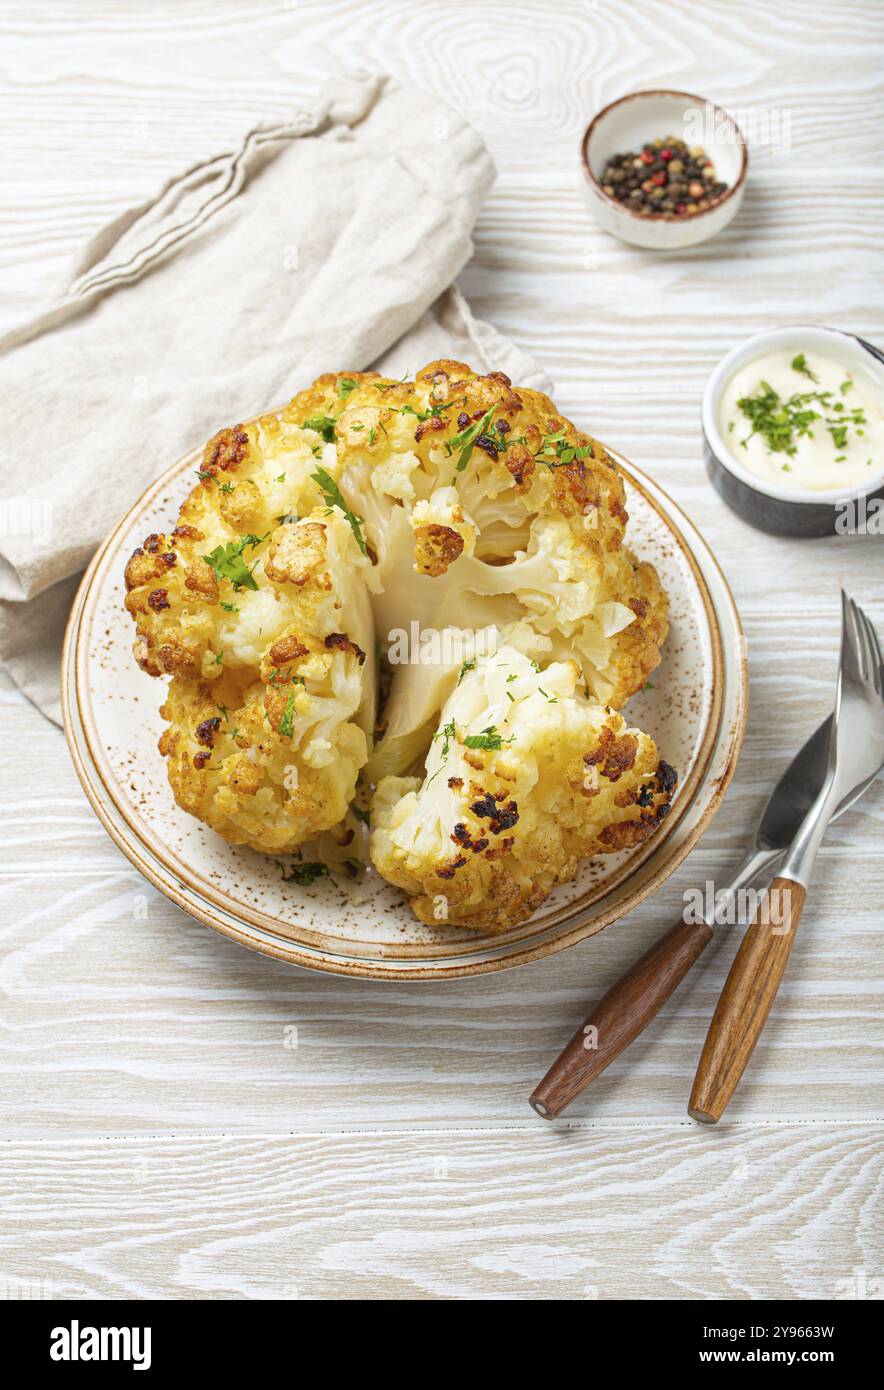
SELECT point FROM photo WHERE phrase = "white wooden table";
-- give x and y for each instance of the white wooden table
(164, 1137)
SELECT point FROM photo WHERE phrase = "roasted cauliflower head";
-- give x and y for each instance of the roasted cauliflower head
(525, 777)
(319, 547)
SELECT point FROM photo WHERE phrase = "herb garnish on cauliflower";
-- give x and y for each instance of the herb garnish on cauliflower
(524, 778)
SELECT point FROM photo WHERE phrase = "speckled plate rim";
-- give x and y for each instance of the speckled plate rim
(415, 961)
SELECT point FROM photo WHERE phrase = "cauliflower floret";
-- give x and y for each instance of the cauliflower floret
(268, 637)
(442, 532)
(264, 766)
(199, 595)
(393, 478)
(524, 778)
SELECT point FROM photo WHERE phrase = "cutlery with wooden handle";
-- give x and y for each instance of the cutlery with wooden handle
(620, 1016)
(634, 999)
(746, 999)
(856, 748)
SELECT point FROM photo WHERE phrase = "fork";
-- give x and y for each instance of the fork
(856, 739)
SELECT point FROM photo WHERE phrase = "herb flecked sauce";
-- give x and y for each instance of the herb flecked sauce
(804, 420)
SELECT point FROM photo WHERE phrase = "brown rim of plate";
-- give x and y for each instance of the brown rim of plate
(498, 952)
(666, 92)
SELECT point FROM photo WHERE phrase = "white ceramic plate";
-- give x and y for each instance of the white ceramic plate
(695, 709)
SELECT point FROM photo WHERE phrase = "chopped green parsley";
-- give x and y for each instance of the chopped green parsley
(286, 726)
(322, 424)
(228, 563)
(333, 496)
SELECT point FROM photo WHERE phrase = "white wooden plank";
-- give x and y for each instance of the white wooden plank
(744, 1212)
(122, 1018)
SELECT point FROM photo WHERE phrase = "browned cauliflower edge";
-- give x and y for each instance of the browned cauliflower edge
(525, 778)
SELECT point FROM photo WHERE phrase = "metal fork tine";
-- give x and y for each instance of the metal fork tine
(870, 628)
(870, 659)
(866, 652)
(852, 643)
(859, 638)
(874, 651)
(857, 745)
(869, 663)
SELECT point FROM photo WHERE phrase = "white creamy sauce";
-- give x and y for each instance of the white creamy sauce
(840, 447)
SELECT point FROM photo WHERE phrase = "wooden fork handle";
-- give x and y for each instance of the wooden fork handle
(746, 999)
(623, 1012)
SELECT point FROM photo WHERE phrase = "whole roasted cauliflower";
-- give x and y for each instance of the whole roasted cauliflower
(320, 548)
(524, 778)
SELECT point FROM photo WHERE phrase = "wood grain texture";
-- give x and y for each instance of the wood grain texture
(749, 993)
(754, 1212)
(177, 1111)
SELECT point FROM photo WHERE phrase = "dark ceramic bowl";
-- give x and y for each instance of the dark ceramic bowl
(779, 508)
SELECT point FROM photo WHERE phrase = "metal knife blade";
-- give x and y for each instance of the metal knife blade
(788, 804)
(797, 790)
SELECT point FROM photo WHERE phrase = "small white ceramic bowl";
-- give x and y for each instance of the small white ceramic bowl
(778, 507)
(632, 121)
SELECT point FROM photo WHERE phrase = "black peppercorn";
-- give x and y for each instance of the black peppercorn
(663, 179)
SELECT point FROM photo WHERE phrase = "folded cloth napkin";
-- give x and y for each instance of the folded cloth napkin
(327, 243)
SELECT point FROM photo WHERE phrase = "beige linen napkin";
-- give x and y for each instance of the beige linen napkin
(325, 243)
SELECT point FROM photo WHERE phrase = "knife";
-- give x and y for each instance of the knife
(636, 998)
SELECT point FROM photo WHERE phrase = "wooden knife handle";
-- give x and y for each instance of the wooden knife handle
(623, 1012)
(746, 999)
